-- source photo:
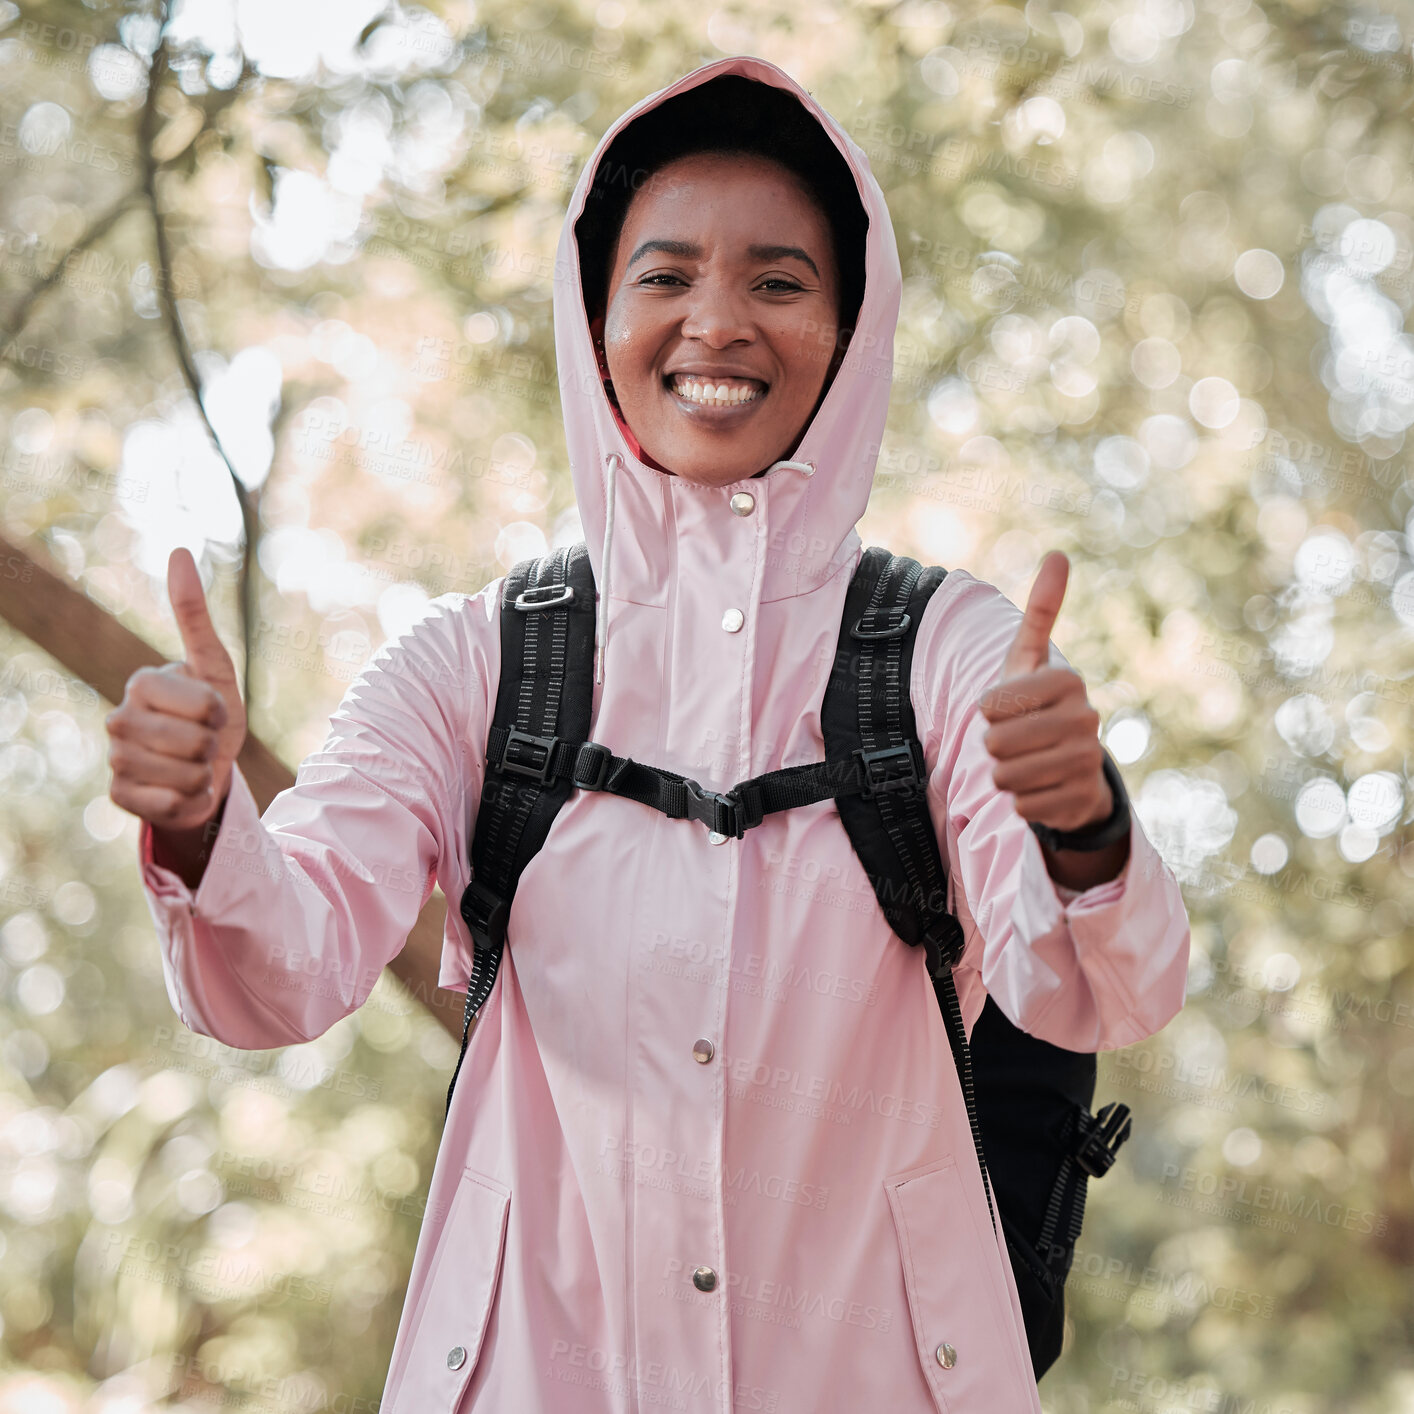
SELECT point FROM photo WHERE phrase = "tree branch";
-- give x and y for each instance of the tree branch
(96, 231)
(248, 501)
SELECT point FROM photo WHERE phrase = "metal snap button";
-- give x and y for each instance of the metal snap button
(947, 1356)
(703, 1051)
(743, 503)
(732, 620)
(704, 1279)
(456, 1357)
(714, 838)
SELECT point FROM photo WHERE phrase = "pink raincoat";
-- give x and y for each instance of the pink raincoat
(704, 1061)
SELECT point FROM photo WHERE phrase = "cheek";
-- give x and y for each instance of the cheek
(618, 341)
(619, 329)
(629, 352)
(806, 352)
(806, 339)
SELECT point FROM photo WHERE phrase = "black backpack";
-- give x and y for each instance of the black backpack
(1028, 1101)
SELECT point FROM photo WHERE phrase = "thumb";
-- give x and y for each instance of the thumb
(206, 655)
(1031, 649)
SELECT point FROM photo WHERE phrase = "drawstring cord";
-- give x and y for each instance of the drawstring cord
(601, 623)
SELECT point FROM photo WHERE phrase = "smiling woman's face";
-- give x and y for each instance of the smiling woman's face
(723, 273)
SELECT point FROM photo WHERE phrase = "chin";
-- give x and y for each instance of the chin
(719, 468)
(707, 469)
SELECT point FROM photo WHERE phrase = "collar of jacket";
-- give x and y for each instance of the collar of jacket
(633, 515)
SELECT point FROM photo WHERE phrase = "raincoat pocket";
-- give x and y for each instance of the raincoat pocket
(962, 1319)
(450, 1323)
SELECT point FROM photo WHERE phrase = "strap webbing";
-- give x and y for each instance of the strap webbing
(591, 766)
(547, 646)
(868, 700)
(1092, 1141)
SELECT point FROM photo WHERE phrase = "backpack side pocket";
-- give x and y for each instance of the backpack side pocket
(1042, 1298)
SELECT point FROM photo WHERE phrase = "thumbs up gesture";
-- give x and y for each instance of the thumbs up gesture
(1044, 735)
(179, 728)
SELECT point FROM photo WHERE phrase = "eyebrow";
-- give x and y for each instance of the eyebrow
(688, 250)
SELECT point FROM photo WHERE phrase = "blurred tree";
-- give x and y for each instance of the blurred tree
(275, 282)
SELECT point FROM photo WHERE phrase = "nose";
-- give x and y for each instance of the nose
(720, 315)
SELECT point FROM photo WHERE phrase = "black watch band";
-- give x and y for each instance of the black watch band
(1102, 833)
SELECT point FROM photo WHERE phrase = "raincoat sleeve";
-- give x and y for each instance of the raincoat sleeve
(300, 910)
(1087, 970)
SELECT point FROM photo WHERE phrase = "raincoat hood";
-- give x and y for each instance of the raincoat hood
(630, 510)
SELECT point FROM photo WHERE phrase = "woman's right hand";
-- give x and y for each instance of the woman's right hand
(179, 728)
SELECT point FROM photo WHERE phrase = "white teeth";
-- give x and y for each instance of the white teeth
(718, 395)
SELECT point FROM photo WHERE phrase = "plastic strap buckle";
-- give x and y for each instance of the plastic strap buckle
(485, 914)
(591, 766)
(1100, 1137)
(528, 600)
(527, 755)
(889, 768)
(944, 943)
(894, 631)
(722, 813)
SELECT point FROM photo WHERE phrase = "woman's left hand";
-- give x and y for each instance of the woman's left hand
(1045, 734)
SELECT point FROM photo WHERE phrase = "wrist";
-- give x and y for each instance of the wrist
(1098, 835)
(1086, 869)
(185, 850)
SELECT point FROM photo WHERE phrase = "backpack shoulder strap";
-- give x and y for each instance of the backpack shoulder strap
(545, 696)
(867, 709)
(867, 712)
(1036, 1097)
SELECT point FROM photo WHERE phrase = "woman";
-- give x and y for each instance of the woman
(708, 1148)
